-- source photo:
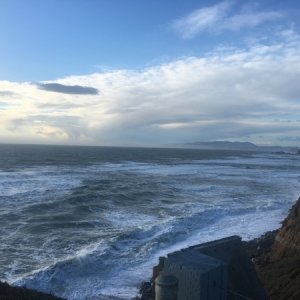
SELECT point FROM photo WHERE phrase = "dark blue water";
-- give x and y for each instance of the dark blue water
(89, 222)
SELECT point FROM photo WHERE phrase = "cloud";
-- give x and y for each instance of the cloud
(6, 93)
(233, 94)
(201, 19)
(67, 89)
(221, 17)
(250, 19)
(59, 128)
(59, 105)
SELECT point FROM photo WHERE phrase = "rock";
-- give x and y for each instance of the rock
(259, 250)
(281, 279)
(280, 274)
(146, 290)
(8, 292)
(287, 241)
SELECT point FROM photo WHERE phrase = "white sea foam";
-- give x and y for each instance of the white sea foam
(130, 219)
(247, 226)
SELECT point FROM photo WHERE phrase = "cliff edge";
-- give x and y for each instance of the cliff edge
(278, 266)
(287, 240)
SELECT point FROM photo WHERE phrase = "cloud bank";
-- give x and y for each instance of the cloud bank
(231, 94)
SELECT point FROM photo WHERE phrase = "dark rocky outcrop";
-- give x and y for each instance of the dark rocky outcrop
(146, 291)
(8, 292)
(259, 249)
(282, 279)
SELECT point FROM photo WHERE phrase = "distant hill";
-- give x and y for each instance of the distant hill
(223, 145)
(245, 146)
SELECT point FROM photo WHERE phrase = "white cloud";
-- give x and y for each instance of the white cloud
(221, 17)
(250, 19)
(236, 94)
(201, 19)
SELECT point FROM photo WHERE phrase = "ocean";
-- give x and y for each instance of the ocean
(90, 222)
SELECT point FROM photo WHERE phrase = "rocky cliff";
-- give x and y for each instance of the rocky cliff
(287, 240)
(278, 266)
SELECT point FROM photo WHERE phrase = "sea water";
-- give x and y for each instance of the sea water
(90, 222)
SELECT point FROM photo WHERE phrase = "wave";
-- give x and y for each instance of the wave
(103, 269)
(94, 231)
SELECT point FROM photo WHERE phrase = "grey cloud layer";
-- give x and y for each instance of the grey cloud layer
(67, 89)
(65, 126)
(7, 93)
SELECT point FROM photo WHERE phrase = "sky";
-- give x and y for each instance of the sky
(149, 72)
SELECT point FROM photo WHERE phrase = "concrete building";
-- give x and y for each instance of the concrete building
(216, 270)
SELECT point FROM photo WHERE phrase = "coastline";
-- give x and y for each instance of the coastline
(276, 259)
(275, 255)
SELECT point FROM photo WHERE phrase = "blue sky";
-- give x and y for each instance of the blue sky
(141, 72)
(44, 40)
(49, 39)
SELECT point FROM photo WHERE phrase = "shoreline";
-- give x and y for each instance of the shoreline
(275, 255)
